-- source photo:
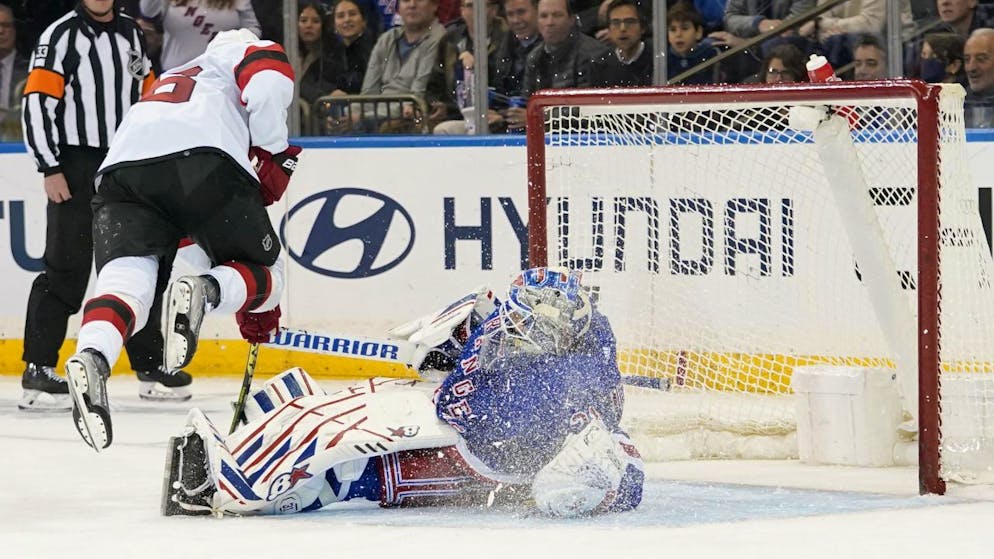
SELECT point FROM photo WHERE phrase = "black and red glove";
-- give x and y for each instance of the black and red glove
(257, 326)
(274, 171)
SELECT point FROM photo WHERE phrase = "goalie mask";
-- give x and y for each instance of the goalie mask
(546, 310)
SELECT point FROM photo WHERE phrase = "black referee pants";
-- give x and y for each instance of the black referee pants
(57, 293)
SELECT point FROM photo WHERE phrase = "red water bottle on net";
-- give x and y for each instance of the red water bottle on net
(819, 70)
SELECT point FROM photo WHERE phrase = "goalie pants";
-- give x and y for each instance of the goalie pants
(57, 293)
(410, 478)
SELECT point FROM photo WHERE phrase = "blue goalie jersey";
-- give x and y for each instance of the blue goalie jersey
(515, 409)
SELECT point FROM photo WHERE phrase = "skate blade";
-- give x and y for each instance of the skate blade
(36, 401)
(92, 423)
(175, 346)
(157, 392)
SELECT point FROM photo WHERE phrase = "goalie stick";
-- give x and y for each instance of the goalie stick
(391, 350)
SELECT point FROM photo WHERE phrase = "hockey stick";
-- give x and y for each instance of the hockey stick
(390, 350)
(253, 356)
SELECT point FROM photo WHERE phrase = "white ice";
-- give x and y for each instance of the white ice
(60, 499)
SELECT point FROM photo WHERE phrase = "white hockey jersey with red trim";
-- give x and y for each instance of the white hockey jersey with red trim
(230, 97)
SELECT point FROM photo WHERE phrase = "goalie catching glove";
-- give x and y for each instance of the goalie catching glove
(274, 171)
(257, 327)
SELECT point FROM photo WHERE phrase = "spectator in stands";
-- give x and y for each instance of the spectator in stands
(840, 29)
(942, 59)
(631, 62)
(870, 59)
(956, 16)
(784, 64)
(314, 40)
(686, 49)
(507, 69)
(33, 16)
(13, 64)
(404, 57)
(188, 25)
(522, 38)
(592, 16)
(450, 90)
(963, 16)
(351, 49)
(460, 33)
(978, 56)
(748, 18)
(854, 16)
(13, 73)
(566, 55)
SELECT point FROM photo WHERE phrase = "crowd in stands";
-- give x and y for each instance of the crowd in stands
(422, 50)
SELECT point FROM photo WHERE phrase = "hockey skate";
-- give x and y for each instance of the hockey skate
(44, 390)
(186, 304)
(164, 385)
(187, 487)
(87, 373)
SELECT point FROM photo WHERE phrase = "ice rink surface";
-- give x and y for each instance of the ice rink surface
(59, 499)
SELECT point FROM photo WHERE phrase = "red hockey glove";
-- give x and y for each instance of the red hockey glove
(274, 171)
(257, 326)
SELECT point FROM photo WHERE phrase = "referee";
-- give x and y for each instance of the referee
(89, 67)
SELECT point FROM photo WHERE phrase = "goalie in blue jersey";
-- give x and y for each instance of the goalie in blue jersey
(527, 414)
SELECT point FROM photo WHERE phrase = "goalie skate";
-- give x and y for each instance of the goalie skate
(186, 304)
(87, 373)
(187, 488)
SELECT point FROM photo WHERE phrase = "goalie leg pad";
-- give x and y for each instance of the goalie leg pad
(277, 391)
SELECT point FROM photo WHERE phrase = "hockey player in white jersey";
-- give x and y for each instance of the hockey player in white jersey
(528, 412)
(179, 167)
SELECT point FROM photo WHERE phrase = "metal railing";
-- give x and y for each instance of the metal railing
(350, 115)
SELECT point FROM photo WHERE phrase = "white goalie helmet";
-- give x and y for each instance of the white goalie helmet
(546, 310)
(231, 37)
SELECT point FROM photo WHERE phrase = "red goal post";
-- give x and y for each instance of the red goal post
(658, 107)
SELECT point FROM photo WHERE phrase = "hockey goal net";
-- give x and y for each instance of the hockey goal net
(732, 239)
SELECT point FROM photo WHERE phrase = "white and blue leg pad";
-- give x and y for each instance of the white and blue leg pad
(290, 384)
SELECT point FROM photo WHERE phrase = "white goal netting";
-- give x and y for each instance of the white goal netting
(729, 248)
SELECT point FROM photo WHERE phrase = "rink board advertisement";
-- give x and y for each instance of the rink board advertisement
(379, 231)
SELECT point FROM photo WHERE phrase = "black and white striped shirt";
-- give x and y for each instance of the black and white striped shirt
(84, 77)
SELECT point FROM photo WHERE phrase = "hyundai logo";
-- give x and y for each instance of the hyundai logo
(348, 233)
